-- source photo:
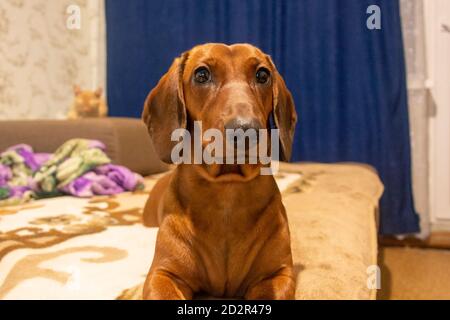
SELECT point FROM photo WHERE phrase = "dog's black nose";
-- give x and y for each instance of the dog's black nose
(244, 124)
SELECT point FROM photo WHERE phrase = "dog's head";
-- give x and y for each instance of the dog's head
(224, 87)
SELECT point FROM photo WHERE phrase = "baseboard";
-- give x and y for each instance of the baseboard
(437, 240)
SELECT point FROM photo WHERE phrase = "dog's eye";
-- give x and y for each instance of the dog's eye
(202, 75)
(262, 75)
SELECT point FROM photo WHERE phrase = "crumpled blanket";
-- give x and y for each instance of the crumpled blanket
(79, 167)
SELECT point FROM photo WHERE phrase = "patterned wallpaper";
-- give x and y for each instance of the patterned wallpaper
(41, 59)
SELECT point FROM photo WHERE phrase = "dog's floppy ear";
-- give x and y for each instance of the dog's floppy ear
(284, 113)
(165, 110)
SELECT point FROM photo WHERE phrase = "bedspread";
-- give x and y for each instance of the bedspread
(97, 248)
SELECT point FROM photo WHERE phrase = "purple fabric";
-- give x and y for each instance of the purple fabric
(18, 191)
(41, 158)
(104, 186)
(97, 144)
(120, 175)
(28, 158)
(104, 180)
(5, 174)
(32, 160)
(82, 186)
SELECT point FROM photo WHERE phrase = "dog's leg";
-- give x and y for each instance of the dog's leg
(150, 215)
(161, 285)
(280, 286)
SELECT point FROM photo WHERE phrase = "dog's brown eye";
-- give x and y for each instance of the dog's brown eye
(202, 75)
(262, 75)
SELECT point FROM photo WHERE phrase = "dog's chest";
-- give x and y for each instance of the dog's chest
(228, 251)
(231, 230)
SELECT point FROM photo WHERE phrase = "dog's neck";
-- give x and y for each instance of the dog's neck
(245, 197)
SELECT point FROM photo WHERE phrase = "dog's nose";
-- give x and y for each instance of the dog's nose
(248, 137)
(243, 123)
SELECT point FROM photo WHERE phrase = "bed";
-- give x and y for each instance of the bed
(97, 248)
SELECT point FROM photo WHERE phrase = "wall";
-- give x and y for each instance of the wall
(41, 59)
(437, 23)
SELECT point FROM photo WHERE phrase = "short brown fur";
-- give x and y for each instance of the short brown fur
(223, 229)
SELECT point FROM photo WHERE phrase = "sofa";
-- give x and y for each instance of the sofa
(98, 248)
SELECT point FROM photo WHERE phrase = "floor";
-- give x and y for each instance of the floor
(413, 273)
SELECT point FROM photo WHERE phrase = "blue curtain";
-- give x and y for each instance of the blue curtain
(348, 81)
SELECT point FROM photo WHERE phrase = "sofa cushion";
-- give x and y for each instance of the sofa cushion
(126, 139)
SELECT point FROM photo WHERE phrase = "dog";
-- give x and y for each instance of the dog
(223, 229)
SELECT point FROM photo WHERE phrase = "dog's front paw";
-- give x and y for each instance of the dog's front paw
(161, 286)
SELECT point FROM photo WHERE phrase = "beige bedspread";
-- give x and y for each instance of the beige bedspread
(69, 248)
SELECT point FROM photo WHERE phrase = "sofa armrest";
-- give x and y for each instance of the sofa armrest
(126, 139)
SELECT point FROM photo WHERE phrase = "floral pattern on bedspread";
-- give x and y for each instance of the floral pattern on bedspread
(78, 248)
